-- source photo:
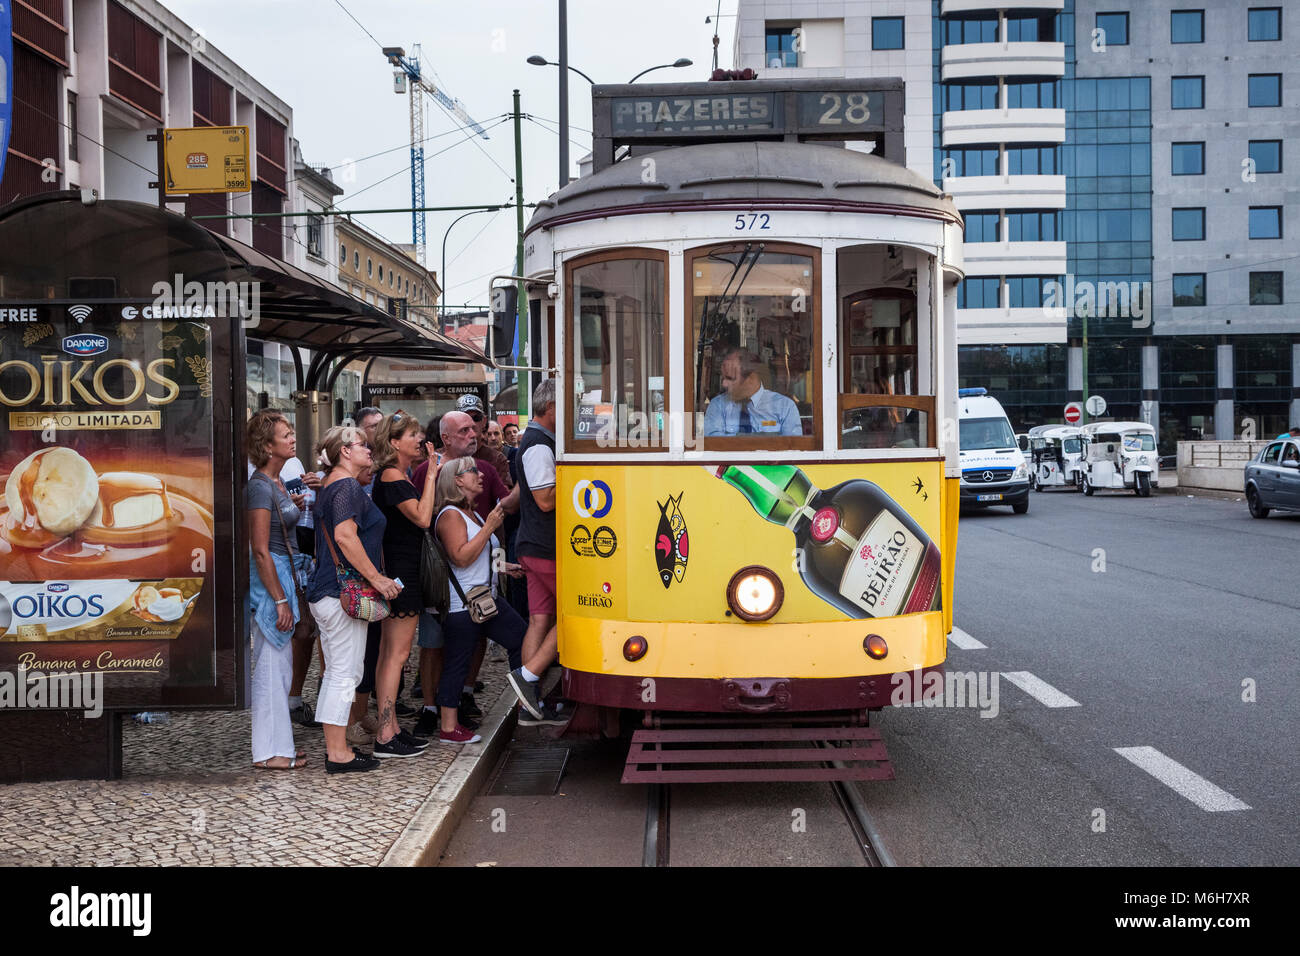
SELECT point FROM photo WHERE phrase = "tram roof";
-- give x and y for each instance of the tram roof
(721, 175)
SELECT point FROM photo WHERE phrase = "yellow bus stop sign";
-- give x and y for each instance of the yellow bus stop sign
(206, 159)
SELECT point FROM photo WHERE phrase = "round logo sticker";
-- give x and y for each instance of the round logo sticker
(824, 524)
(604, 541)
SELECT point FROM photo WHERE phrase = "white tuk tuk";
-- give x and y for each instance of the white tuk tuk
(1120, 455)
(1056, 456)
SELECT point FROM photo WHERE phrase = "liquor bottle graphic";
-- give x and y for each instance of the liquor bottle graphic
(861, 552)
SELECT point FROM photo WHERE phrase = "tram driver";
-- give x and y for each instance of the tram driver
(744, 406)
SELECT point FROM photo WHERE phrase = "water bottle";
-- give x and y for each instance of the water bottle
(152, 717)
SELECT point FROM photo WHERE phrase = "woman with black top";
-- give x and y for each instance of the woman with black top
(349, 533)
(408, 511)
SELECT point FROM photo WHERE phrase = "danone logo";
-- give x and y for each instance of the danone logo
(85, 344)
(56, 588)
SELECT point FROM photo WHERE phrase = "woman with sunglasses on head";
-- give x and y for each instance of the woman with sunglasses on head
(407, 512)
(470, 546)
(349, 534)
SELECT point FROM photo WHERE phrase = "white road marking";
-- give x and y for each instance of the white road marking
(1040, 690)
(964, 641)
(1173, 774)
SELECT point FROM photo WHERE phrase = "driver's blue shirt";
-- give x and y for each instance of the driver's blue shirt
(767, 412)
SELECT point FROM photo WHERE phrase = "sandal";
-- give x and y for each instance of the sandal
(295, 763)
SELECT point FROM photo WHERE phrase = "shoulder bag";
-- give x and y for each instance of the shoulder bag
(358, 597)
(434, 572)
(478, 601)
(302, 630)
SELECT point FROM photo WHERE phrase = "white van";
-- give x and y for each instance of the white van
(993, 469)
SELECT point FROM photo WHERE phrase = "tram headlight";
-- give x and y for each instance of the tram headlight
(755, 593)
(875, 647)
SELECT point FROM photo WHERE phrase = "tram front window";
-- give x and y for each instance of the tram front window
(617, 350)
(753, 328)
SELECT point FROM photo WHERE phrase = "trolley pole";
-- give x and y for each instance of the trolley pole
(524, 394)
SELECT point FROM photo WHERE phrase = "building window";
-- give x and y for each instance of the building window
(390, 278)
(1034, 160)
(979, 293)
(1114, 27)
(356, 261)
(1187, 93)
(370, 267)
(780, 49)
(971, 161)
(1267, 155)
(982, 226)
(1265, 89)
(1187, 26)
(886, 33)
(1031, 29)
(970, 96)
(1033, 94)
(1029, 292)
(1033, 225)
(1189, 224)
(1264, 23)
(343, 254)
(1266, 222)
(1266, 288)
(72, 127)
(1187, 159)
(1189, 289)
(408, 286)
(315, 229)
(977, 29)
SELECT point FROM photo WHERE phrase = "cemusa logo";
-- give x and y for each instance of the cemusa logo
(85, 344)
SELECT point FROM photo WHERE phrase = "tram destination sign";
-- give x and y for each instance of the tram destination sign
(689, 113)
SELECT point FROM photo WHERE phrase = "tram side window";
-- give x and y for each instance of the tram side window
(880, 404)
(616, 375)
(753, 331)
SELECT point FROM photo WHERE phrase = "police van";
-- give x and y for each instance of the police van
(993, 469)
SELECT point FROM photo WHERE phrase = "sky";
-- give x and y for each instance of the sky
(333, 75)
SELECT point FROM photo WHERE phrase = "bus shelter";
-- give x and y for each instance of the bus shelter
(123, 559)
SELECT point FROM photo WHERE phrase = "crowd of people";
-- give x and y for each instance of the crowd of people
(357, 527)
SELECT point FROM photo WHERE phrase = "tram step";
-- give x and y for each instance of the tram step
(756, 754)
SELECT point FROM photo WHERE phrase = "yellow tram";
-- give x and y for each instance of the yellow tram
(753, 334)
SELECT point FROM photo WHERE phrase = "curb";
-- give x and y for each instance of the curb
(429, 831)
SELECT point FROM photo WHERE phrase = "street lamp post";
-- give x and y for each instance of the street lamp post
(665, 66)
(539, 60)
(442, 305)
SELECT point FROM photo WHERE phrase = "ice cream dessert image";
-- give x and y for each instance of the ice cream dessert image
(50, 495)
(158, 604)
(60, 514)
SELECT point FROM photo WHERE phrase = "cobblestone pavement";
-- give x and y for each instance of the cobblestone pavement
(190, 796)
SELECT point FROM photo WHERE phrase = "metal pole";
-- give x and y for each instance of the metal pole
(564, 93)
(1083, 418)
(523, 396)
(442, 276)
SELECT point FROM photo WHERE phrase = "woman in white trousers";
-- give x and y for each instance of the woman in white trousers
(272, 515)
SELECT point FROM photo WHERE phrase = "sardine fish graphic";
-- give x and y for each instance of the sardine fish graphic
(671, 541)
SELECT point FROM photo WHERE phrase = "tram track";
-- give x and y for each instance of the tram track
(657, 841)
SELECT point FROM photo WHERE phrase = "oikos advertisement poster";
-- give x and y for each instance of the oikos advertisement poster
(106, 518)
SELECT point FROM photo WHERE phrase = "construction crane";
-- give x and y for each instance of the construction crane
(409, 77)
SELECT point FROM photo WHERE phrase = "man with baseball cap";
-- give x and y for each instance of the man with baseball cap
(472, 405)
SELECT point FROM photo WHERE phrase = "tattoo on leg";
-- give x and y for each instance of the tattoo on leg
(386, 712)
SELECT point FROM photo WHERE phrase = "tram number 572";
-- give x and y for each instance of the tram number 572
(754, 220)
